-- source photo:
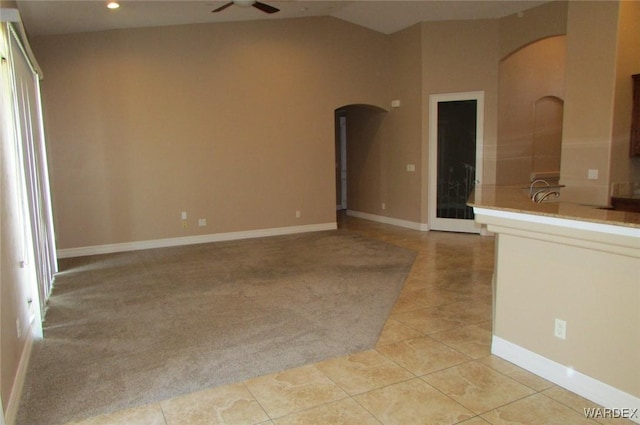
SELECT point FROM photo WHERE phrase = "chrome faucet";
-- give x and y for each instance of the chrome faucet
(533, 184)
(541, 195)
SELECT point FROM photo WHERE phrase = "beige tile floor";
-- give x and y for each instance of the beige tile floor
(432, 363)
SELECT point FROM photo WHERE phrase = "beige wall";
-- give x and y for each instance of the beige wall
(381, 142)
(547, 20)
(597, 94)
(589, 96)
(625, 170)
(239, 129)
(527, 75)
(524, 39)
(229, 122)
(402, 130)
(543, 278)
(136, 138)
(429, 58)
(462, 56)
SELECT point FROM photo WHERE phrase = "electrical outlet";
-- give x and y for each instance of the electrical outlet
(384, 206)
(298, 214)
(18, 329)
(202, 222)
(185, 224)
(560, 330)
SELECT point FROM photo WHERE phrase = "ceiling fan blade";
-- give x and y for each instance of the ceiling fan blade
(265, 7)
(221, 8)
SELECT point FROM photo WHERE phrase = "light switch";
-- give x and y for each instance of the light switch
(592, 174)
(183, 215)
(411, 167)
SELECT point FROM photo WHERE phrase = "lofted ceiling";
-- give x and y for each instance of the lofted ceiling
(69, 16)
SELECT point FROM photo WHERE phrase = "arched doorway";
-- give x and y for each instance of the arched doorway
(358, 151)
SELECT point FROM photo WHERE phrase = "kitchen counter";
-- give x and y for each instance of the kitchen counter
(566, 290)
(516, 199)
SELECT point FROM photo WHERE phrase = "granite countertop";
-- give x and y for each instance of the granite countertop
(516, 199)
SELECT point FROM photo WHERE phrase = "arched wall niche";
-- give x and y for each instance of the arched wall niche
(548, 112)
(530, 112)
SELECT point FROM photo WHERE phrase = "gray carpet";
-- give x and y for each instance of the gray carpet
(131, 328)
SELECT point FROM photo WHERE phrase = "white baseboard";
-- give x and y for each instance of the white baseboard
(574, 381)
(423, 227)
(18, 384)
(191, 240)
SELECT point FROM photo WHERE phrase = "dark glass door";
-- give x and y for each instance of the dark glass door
(456, 158)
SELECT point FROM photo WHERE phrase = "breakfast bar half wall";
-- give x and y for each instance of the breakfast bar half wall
(567, 293)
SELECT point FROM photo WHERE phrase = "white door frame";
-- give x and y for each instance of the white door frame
(449, 224)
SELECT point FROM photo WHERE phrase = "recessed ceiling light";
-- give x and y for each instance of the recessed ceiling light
(113, 5)
(244, 3)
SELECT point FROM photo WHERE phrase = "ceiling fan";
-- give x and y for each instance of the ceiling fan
(246, 3)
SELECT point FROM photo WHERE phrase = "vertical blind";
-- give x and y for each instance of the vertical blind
(31, 161)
